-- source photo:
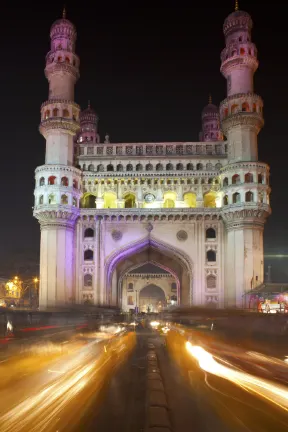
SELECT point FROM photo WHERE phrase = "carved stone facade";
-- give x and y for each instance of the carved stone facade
(196, 210)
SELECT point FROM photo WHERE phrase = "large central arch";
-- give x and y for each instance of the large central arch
(148, 250)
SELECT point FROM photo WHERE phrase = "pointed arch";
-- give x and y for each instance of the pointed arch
(139, 246)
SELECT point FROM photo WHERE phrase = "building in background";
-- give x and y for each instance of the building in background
(195, 210)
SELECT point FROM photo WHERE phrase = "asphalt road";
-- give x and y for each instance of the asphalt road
(89, 390)
(197, 401)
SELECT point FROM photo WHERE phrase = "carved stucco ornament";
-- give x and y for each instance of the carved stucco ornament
(182, 235)
(116, 235)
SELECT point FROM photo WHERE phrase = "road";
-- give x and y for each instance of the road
(106, 386)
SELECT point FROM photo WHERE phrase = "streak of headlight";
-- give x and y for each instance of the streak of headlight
(51, 400)
(274, 393)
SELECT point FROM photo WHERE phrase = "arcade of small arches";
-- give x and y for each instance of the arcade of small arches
(235, 108)
(151, 167)
(168, 199)
(237, 179)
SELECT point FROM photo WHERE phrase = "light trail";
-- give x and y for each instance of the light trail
(36, 412)
(274, 393)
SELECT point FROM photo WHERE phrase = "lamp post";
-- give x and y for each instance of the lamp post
(136, 292)
(36, 280)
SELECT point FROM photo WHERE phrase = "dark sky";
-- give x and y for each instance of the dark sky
(148, 72)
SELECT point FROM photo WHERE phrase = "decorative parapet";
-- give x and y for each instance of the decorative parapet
(151, 150)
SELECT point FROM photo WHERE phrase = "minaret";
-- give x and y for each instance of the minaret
(88, 126)
(241, 111)
(211, 123)
(245, 181)
(57, 189)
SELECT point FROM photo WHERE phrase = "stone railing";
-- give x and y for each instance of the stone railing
(152, 149)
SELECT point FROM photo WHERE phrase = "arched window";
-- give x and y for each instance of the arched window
(245, 107)
(254, 107)
(88, 255)
(59, 59)
(64, 181)
(66, 113)
(52, 199)
(236, 198)
(169, 167)
(88, 201)
(234, 52)
(52, 180)
(189, 167)
(242, 51)
(42, 181)
(260, 178)
(41, 200)
(210, 234)
(190, 199)
(88, 280)
(199, 167)
(130, 286)
(55, 112)
(75, 184)
(159, 167)
(211, 281)
(211, 256)
(129, 167)
(209, 166)
(74, 202)
(100, 168)
(89, 232)
(67, 60)
(173, 286)
(234, 108)
(110, 167)
(225, 181)
(235, 179)
(130, 201)
(218, 166)
(248, 178)
(225, 200)
(120, 168)
(179, 167)
(91, 167)
(249, 196)
(64, 199)
(139, 167)
(149, 167)
(46, 115)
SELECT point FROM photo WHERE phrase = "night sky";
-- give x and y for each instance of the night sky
(148, 72)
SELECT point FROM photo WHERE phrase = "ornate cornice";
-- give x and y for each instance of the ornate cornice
(58, 168)
(245, 217)
(243, 96)
(249, 119)
(150, 215)
(61, 215)
(245, 165)
(53, 68)
(60, 101)
(63, 124)
(237, 61)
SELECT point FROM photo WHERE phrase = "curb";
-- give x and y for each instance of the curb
(157, 409)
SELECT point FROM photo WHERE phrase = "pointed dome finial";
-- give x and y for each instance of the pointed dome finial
(236, 5)
(210, 99)
(64, 12)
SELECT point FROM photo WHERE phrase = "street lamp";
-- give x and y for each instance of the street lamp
(36, 280)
